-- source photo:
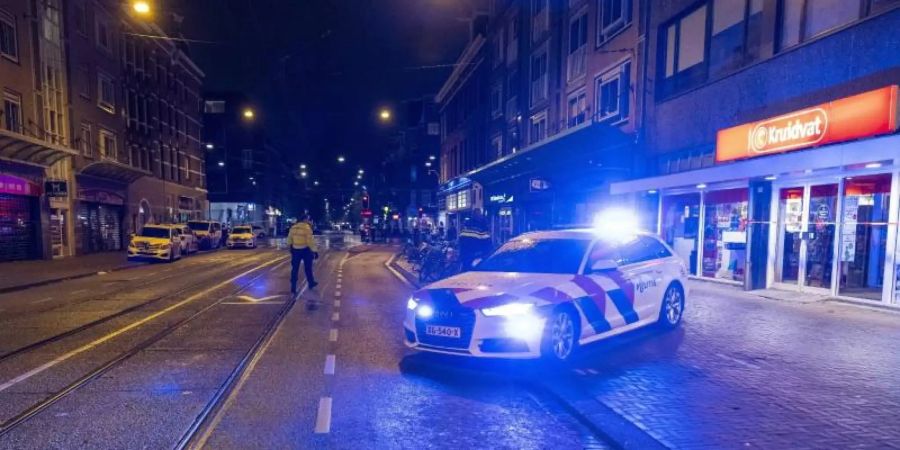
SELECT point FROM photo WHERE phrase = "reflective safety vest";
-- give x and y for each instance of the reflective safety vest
(301, 236)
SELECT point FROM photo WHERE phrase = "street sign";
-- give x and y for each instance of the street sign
(56, 189)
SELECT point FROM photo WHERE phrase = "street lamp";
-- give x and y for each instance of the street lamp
(356, 183)
(341, 159)
(316, 183)
(221, 163)
(141, 7)
(427, 163)
(359, 177)
(209, 146)
(361, 171)
(432, 157)
(384, 114)
(302, 166)
(248, 113)
(303, 174)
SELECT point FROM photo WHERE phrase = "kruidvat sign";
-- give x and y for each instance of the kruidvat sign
(868, 114)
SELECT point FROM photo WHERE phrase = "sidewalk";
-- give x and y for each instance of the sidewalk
(20, 275)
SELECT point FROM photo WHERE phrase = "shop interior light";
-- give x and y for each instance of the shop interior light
(874, 165)
(652, 191)
(701, 186)
(771, 178)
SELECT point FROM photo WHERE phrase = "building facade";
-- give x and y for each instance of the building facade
(561, 113)
(101, 128)
(772, 153)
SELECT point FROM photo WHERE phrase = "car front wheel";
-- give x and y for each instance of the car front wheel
(672, 309)
(560, 335)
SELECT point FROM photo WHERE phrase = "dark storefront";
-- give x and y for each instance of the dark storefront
(99, 221)
(19, 219)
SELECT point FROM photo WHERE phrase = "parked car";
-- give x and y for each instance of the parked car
(156, 242)
(544, 294)
(189, 242)
(241, 236)
(259, 232)
(208, 232)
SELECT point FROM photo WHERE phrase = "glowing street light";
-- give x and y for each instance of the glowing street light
(221, 163)
(361, 171)
(359, 177)
(141, 7)
(356, 183)
(384, 115)
(432, 157)
(316, 183)
(303, 174)
(209, 146)
(341, 159)
(427, 163)
(248, 113)
(302, 166)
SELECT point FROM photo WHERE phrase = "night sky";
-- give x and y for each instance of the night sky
(321, 69)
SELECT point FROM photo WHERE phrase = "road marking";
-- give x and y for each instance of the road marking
(78, 291)
(42, 300)
(399, 276)
(323, 417)
(337, 286)
(337, 293)
(329, 365)
(741, 362)
(332, 335)
(125, 329)
(335, 317)
(337, 303)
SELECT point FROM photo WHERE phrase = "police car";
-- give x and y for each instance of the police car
(544, 294)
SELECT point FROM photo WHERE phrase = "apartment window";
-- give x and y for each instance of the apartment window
(577, 108)
(9, 46)
(497, 146)
(12, 112)
(107, 141)
(247, 158)
(577, 46)
(684, 41)
(104, 38)
(540, 18)
(498, 48)
(187, 167)
(804, 20)
(106, 93)
(80, 13)
(512, 41)
(539, 80)
(614, 92)
(497, 100)
(613, 16)
(538, 127)
(736, 34)
(86, 140)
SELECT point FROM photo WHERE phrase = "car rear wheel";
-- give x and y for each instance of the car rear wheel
(560, 335)
(672, 309)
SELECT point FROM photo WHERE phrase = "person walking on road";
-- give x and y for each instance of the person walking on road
(302, 245)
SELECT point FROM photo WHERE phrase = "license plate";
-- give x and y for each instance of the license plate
(437, 330)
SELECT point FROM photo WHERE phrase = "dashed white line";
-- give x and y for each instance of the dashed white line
(332, 335)
(335, 317)
(323, 416)
(329, 365)
(337, 286)
(42, 300)
(337, 293)
(337, 303)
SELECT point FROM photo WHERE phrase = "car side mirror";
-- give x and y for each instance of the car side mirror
(604, 265)
(476, 262)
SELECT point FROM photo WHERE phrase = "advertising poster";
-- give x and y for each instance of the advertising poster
(848, 232)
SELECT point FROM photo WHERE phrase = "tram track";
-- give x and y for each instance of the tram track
(11, 424)
(131, 309)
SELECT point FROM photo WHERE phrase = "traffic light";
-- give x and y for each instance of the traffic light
(365, 201)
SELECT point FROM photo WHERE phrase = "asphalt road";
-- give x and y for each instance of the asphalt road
(212, 352)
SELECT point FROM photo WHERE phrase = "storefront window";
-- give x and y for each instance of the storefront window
(864, 236)
(820, 239)
(725, 234)
(791, 209)
(680, 226)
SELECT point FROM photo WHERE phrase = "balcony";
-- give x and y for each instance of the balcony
(28, 150)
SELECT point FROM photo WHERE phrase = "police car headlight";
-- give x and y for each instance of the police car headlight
(509, 309)
(412, 303)
(524, 326)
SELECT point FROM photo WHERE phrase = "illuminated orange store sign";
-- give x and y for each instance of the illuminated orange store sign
(863, 115)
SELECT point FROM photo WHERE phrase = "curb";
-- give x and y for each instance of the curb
(22, 287)
(590, 412)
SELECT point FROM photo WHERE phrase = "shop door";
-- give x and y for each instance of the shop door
(18, 228)
(807, 226)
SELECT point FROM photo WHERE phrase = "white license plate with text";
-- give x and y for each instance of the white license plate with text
(437, 330)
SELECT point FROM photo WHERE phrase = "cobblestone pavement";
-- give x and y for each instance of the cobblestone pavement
(747, 372)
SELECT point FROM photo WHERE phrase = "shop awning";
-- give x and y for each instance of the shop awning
(589, 146)
(26, 149)
(114, 170)
(802, 163)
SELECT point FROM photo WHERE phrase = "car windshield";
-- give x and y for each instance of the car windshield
(199, 226)
(154, 232)
(537, 256)
(241, 230)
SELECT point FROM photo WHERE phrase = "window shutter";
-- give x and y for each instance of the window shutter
(625, 90)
